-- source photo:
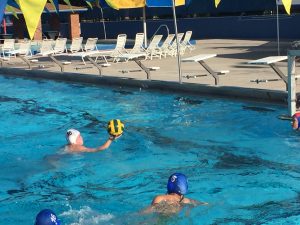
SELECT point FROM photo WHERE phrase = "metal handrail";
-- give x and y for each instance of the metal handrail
(162, 25)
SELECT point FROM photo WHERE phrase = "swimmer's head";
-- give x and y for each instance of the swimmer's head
(178, 184)
(296, 121)
(73, 137)
(46, 217)
(115, 127)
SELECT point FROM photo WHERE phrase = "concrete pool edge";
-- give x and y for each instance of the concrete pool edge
(262, 95)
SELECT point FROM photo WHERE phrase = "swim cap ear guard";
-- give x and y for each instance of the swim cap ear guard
(178, 184)
(46, 217)
(115, 127)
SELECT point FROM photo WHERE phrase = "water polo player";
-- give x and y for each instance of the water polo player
(46, 217)
(115, 129)
(296, 121)
(173, 201)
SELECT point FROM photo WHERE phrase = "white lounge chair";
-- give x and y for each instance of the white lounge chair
(8, 45)
(166, 44)
(60, 45)
(120, 47)
(124, 57)
(173, 48)
(185, 43)
(153, 49)
(76, 45)
(24, 49)
(46, 45)
(90, 45)
(138, 44)
(113, 53)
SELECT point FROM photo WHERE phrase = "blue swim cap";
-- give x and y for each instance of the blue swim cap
(46, 217)
(178, 184)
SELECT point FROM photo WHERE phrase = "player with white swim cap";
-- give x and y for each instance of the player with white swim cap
(75, 142)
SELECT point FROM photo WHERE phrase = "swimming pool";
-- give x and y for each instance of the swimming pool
(35, 48)
(238, 156)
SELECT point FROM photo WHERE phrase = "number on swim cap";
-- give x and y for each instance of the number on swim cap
(115, 127)
(177, 183)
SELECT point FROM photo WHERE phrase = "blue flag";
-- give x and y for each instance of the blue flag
(163, 3)
(2, 9)
(13, 4)
(103, 4)
(55, 2)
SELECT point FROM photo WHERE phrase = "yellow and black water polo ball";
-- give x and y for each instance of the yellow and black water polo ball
(115, 127)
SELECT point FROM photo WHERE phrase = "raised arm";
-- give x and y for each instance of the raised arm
(102, 147)
(106, 144)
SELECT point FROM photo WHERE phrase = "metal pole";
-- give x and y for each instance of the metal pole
(278, 41)
(291, 84)
(145, 27)
(177, 41)
(103, 22)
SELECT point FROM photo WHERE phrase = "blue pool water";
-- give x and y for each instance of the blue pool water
(35, 48)
(238, 156)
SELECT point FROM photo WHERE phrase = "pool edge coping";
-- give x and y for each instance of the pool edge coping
(261, 95)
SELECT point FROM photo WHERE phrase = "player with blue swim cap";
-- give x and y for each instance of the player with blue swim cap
(173, 201)
(178, 184)
(46, 217)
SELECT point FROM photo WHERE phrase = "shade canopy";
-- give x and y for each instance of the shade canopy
(164, 3)
(130, 4)
(286, 3)
(2, 8)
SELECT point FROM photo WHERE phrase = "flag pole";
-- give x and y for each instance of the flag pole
(103, 22)
(145, 27)
(278, 41)
(177, 43)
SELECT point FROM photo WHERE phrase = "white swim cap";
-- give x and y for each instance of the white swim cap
(72, 135)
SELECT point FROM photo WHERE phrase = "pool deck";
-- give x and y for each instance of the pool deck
(232, 55)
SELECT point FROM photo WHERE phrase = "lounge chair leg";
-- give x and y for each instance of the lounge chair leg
(62, 69)
(211, 72)
(95, 64)
(26, 61)
(83, 60)
(280, 74)
(141, 65)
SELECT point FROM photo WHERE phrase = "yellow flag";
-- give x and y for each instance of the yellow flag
(12, 10)
(287, 5)
(32, 10)
(179, 2)
(125, 4)
(217, 2)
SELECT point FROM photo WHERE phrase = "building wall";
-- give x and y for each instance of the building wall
(248, 27)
